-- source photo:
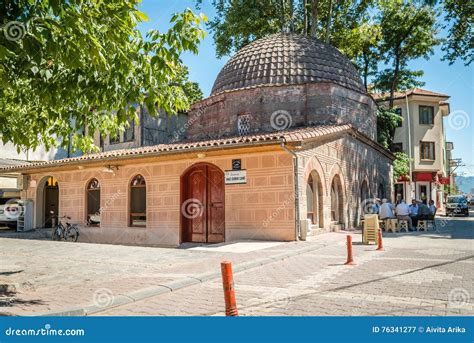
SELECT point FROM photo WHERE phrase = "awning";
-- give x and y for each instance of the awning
(424, 177)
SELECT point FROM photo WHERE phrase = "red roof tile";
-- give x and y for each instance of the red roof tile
(293, 135)
(414, 91)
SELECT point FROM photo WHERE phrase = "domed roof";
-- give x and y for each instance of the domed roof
(281, 59)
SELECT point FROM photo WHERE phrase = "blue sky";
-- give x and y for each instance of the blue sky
(455, 80)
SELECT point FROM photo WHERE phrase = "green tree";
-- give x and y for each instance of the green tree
(239, 22)
(401, 166)
(361, 44)
(460, 23)
(387, 122)
(408, 32)
(66, 65)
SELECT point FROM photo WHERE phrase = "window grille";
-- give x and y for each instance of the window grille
(243, 124)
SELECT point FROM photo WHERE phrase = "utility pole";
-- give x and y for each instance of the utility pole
(453, 163)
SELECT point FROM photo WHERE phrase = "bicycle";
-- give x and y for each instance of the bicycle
(68, 232)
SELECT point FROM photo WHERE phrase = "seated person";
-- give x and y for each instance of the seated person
(403, 213)
(424, 212)
(386, 210)
(414, 212)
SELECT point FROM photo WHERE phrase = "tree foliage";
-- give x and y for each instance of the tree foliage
(239, 22)
(408, 32)
(460, 22)
(387, 122)
(66, 65)
(401, 166)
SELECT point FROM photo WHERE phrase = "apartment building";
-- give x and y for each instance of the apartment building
(421, 136)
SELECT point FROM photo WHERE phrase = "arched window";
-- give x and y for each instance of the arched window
(138, 201)
(93, 203)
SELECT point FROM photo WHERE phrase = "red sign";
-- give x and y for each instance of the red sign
(424, 177)
(444, 180)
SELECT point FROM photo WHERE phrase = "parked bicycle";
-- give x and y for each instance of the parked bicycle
(68, 232)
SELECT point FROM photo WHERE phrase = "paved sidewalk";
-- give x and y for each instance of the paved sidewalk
(418, 274)
(46, 276)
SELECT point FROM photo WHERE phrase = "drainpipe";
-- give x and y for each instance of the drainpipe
(297, 194)
(409, 147)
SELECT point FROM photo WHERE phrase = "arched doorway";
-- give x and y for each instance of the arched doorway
(337, 204)
(314, 199)
(365, 201)
(381, 191)
(93, 203)
(47, 202)
(202, 204)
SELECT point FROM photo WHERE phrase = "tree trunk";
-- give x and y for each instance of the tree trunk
(292, 26)
(314, 18)
(366, 71)
(305, 17)
(282, 16)
(328, 22)
(396, 71)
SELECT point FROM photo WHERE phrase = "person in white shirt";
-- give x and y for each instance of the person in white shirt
(403, 213)
(386, 210)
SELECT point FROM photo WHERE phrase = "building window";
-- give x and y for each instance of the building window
(114, 138)
(93, 203)
(398, 111)
(52, 182)
(426, 115)
(427, 151)
(138, 201)
(396, 147)
(243, 124)
(129, 134)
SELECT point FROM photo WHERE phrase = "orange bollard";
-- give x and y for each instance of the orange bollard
(228, 284)
(350, 259)
(380, 244)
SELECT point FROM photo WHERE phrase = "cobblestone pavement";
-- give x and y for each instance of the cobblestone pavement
(417, 274)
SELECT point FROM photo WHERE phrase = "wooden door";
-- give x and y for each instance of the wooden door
(202, 207)
(215, 203)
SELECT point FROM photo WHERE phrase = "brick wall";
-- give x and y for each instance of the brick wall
(256, 210)
(315, 103)
(354, 162)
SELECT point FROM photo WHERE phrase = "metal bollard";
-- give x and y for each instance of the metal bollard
(350, 259)
(228, 284)
(379, 243)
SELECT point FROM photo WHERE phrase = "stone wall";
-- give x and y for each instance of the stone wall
(308, 104)
(256, 210)
(355, 162)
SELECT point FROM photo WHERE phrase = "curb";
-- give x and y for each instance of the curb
(131, 297)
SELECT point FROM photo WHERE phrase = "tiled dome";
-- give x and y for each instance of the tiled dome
(284, 59)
